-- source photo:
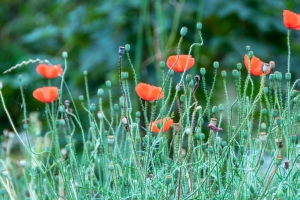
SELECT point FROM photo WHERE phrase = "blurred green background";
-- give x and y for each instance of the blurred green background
(91, 32)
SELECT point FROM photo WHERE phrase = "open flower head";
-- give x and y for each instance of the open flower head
(49, 71)
(291, 20)
(256, 65)
(45, 94)
(180, 62)
(163, 124)
(149, 92)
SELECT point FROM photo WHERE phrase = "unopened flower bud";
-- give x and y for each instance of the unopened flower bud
(64, 54)
(188, 78)
(288, 76)
(81, 98)
(250, 54)
(216, 64)
(202, 71)
(22, 163)
(187, 130)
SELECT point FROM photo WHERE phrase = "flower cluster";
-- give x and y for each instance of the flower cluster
(47, 94)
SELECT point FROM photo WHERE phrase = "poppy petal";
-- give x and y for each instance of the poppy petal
(45, 94)
(148, 92)
(180, 63)
(49, 71)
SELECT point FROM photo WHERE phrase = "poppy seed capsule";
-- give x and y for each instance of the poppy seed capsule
(202, 71)
(262, 136)
(288, 76)
(265, 67)
(247, 48)
(138, 114)
(188, 78)
(25, 126)
(271, 77)
(278, 76)
(92, 107)
(250, 54)
(263, 126)
(168, 179)
(85, 72)
(127, 47)
(216, 65)
(124, 120)
(110, 139)
(124, 75)
(199, 26)
(64, 54)
(81, 98)
(223, 73)
(162, 64)
(278, 160)
(264, 111)
(221, 107)
(111, 166)
(183, 31)
(191, 84)
(214, 109)
(100, 115)
(239, 66)
(274, 112)
(121, 50)
(235, 73)
(108, 84)
(294, 93)
(100, 92)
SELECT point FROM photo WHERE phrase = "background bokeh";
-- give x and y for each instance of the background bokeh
(91, 32)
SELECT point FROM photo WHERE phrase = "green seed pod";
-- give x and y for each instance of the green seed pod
(247, 48)
(278, 76)
(210, 149)
(100, 92)
(235, 73)
(223, 143)
(183, 31)
(278, 160)
(278, 121)
(216, 64)
(47, 149)
(202, 71)
(116, 107)
(214, 109)
(138, 114)
(61, 109)
(252, 189)
(274, 112)
(25, 126)
(59, 92)
(168, 179)
(61, 122)
(199, 25)
(64, 54)
(264, 111)
(188, 78)
(162, 64)
(85, 72)
(191, 84)
(233, 128)
(288, 76)
(68, 147)
(263, 126)
(81, 98)
(198, 136)
(266, 90)
(250, 54)
(108, 84)
(182, 98)
(271, 77)
(127, 47)
(124, 75)
(223, 73)
(198, 130)
(294, 93)
(92, 107)
(245, 134)
(221, 107)
(239, 66)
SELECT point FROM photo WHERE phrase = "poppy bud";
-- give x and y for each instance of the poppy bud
(183, 31)
(245, 134)
(116, 107)
(47, 149)
(202, 71)
(121, 50)
(250, 54)
(247, 48)
(124, 120)
(162, 64)
(67, 103)
(108, 84)
(239, 66)
(272, 64)
(263, 126)
(198, 108)
(216, 64)
(214, 109)
(138, 114)
(224, 143)
(293, 138)
(221, 107)
(199, 26)
(187, 130)
(188, 78)
(127, 47)
(64, 54)
(111, 166)
(81, 98)
(182, 98)
(274, 112)
(124, 75)
(100, 92)
(191, 84)
(85, 72)
(235, 73)
(61, 122)
(92, 107)
(168, 179)
(288, 76)
(223, 73)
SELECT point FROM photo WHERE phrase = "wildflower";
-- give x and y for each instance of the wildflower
(166, 124)
(149, 92)
(256, 66)
(291, 20)
(45, 94)
(180, 63)
(49, 71)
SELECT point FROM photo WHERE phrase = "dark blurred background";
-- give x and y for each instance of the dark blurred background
(91, 32)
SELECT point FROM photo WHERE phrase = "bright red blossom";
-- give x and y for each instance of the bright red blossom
(49, 71)
(291, 20)
(45, 94)
(165, 122)
(256, 66)
(178, 62)
(149, 92)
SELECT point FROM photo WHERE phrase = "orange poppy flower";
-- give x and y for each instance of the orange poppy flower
(256, 66)
(178, 64)
(166, 124)
(291, 20)
(49, 71)
(46, 94)
(149, 92)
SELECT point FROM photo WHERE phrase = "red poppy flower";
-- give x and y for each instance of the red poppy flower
(291, 20)
(49, 71)
(178, 63)
(149, 92)
(165, 122)
(256, 66)
(46, 94)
